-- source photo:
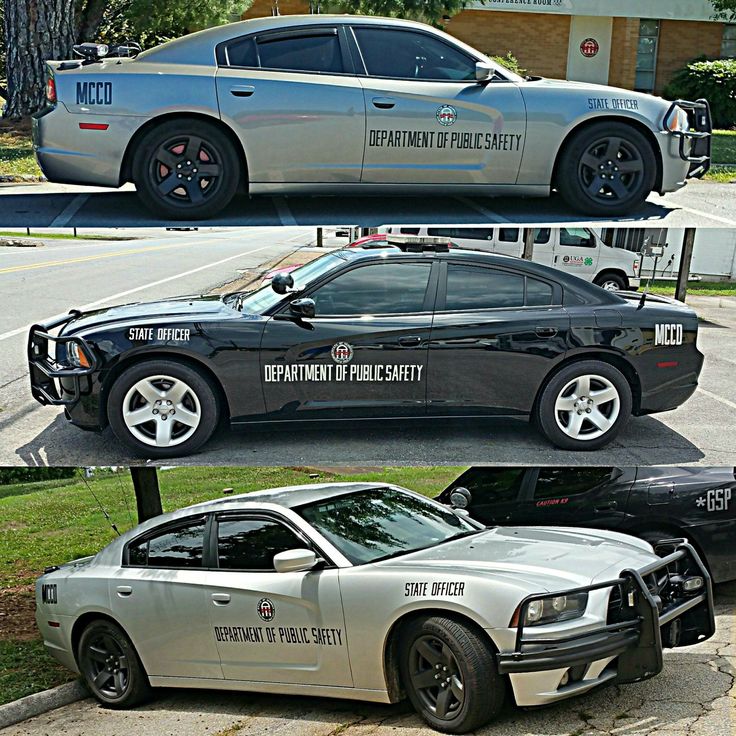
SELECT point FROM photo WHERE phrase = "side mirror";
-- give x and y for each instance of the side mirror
(303, 307)
(294, 560)
(483, 71)
(460, 498)
(282, 282)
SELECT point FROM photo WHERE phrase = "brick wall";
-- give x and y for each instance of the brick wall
(681, 41)
(624, 40)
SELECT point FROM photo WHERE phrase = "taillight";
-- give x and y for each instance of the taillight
(51, 90)
(636, 266)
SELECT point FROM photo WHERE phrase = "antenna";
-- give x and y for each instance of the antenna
(102, 508)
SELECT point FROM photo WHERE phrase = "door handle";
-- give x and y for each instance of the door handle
(383, 103)
(124, 590)
(221, 599)
(410, 341)
(242, 90)
(546, 331)
(610, 506)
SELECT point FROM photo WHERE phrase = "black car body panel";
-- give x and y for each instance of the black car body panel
(696, 503)
(429, 359)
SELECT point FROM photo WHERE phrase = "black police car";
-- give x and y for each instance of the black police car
(421, 330)
(652, 503)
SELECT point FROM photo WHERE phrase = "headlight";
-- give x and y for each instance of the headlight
(677, 121)
(553, 609)
(75, 356)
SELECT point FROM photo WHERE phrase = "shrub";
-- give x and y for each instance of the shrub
(713, 79)
(510, 62)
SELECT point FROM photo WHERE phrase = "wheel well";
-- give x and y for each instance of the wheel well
(616, 361)
(610, 272)
(126, 170)
(670, 528)
(81, 624)
(198, 365)
(613, 119)
(391, 672)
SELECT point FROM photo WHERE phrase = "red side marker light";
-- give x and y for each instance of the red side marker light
(54, 624)
(668, 364)
(94, 126)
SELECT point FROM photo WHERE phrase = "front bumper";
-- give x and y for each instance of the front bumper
(645, 614)
(694, 145)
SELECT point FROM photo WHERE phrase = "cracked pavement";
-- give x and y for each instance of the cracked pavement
(695, 695)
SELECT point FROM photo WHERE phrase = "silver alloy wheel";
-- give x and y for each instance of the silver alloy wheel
(161, 411)
(587, 407)
(610, 285)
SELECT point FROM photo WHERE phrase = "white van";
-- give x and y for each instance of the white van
(577, 250)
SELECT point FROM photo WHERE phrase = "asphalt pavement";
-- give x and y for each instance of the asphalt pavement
(699, 204)
(695, 695)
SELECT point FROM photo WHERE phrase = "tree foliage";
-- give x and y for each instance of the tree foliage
(725, 9)
(427, 11)
(10, 476)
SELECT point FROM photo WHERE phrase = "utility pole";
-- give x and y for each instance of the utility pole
(686, 259)
(320, 237)
(528, 252)
(147, 493)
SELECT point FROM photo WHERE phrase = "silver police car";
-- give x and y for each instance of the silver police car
(351, 104)
(370, 592)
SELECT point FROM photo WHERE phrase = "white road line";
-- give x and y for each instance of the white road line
(63, 218)
(283, 211)
(718, 398)
(121, 294)
(490, 214)
(662, 202)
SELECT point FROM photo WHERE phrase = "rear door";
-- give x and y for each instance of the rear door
(296, 104)
(274, 627)
(495, 335)
(364, 353)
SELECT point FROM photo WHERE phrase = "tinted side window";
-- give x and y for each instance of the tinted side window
(538, 293)
(401, 54)
(250, 544)
(490, 485)
(469, 233)
(473, 287)
(576, 236)
(541, 235)
(242, 52)
(381, 288)
(508, 234)
(301, 53)
(556, 482)
(176, 547)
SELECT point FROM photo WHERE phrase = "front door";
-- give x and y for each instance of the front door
(364, 354)
(268, 626)
(577, 252)
(495, 335)
(428, 120)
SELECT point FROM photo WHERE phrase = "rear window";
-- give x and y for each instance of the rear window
(180, 546)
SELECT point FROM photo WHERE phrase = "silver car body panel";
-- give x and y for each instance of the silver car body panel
(332, 625)
(311, 132)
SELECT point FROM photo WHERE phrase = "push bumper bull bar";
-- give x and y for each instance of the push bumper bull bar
(637, 639)
(699, 135)
(44, 368)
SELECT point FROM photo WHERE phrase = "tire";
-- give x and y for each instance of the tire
(468, 657)
(198, 148)
(105, 648)
(618, 192)
(612, 282)
(562, 408)
(190, 418)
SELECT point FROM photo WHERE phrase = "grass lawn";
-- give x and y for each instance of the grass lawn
(52, 522)
(16, 152)
(60, 236)
(701, 288)
(724, 146)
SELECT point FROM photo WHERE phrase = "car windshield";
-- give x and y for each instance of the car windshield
(259, 301)
(379, 523)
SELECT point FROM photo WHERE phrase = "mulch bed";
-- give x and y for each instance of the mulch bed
(18, 614)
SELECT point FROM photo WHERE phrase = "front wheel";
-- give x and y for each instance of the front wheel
(606, 169)
(111, 667)
(449, 674)
(584, 406)
(612, 282)
(162, 408)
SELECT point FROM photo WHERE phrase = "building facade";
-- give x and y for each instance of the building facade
(639, 46)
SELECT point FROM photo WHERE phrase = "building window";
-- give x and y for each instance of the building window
(646, 55)
(728, 44)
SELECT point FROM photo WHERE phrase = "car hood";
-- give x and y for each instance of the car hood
(177, 309)
(559, 556)
(588, 87)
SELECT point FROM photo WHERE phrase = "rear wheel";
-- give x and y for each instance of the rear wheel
(612, 282)
(606, 169)
(111, 667)
(162, 408)
(186, 169)
(449, 674)
(584, 406)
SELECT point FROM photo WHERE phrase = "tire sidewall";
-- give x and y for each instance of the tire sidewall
(569, 183)
(206, 394)
(545, 414)
(167, 207)
(614, 278)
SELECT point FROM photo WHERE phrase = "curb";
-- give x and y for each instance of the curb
(38, 703)
(20, 178)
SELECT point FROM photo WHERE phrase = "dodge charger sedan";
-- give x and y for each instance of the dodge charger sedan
(370, 592)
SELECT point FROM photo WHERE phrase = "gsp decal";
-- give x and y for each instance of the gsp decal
(668, 335)
(266, 609)
(49, 594)
(438, 588)
(316, 635)
(342, 353)
(174, 334)
(716, 499)
(300, 372)
(446, 115)
(94, 93)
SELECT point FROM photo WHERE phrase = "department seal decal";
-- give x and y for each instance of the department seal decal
(446, 115)
(266, 609)
(342, 353)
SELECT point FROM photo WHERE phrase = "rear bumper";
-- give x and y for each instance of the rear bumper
(628, 648)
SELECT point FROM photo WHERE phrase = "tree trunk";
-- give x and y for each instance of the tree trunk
(147, 493)
(35, 30)
(88, 25)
